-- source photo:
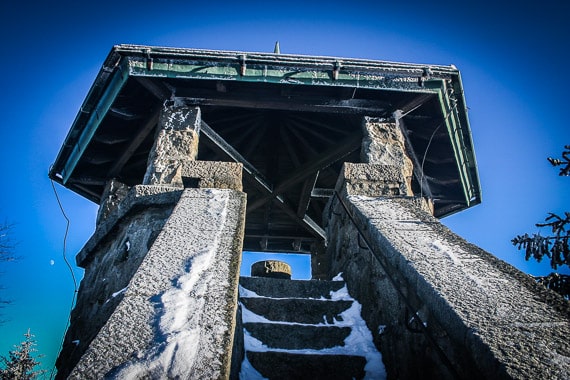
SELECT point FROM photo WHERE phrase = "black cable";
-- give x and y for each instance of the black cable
(73, 299)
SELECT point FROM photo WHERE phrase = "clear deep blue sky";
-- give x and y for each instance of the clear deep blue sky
(513, 60)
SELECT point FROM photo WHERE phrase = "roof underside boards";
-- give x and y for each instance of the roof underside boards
(292, 120)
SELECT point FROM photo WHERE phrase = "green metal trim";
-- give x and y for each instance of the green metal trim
(273, 74)
(454, 129)
(471, 156)
(97, 115)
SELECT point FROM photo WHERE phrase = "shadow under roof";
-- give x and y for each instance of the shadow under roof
(283, 114)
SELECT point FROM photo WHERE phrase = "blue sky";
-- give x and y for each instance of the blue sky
(513, 60)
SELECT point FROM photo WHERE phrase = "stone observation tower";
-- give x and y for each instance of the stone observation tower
(195, 156)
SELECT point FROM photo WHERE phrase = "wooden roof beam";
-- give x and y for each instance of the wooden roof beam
(326, 159)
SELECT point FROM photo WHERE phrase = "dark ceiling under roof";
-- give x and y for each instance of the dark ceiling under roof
(293, 120)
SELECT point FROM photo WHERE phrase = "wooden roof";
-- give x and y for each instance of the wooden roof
(292, 120)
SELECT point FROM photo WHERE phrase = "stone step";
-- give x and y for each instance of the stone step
(288, 366)
(297, 337)
(297, 310)
(281, 288)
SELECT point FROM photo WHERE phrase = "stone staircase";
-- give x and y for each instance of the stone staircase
(304, 330)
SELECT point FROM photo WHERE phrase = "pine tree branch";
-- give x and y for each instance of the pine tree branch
(565, 162)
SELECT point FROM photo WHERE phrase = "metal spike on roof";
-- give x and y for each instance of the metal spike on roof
(276, 50)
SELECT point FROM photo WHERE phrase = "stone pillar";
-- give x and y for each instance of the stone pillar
(159, 295)
(383, 144)
(441, 307)
(176, 144)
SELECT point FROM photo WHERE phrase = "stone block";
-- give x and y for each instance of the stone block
(272, 269)
(138, 197)
(384, 143)
(212, 174)
(176, 142)
(371, 180)
(115, 191)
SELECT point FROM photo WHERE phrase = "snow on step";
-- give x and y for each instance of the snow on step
(279, 343)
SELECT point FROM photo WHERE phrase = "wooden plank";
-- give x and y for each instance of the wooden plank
(369, 108)
(306, 192)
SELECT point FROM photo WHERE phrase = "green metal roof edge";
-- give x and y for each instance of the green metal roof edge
(300, 61)
(256, 72)
(460, 136)
(97, 115)
(468, 138)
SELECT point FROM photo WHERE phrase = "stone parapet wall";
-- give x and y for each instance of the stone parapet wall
(182, 297)
(135, 200)
(443, 308)
(110, 258)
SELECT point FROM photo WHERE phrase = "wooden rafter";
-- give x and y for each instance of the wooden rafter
(324, 160)
(148, 126)
(259, 181)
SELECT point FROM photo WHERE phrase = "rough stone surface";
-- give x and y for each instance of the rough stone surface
(307, 330)
(372, 179)
(444, 308)
(175, 144)
(298, 337)
(271, 268)
(112, 262)
(212, 174)
(197, 243)
(384, 144)
(115, 191)
(138, 198)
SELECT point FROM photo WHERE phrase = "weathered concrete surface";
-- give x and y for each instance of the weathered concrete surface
(483, 318)
(314, 311)
(191, 271)
(279, 288)
(373, 179)
(176, 143)
(287, 366)
(384, 144)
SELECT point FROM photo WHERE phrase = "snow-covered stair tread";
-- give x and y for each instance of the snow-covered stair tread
(297, 310)
(305, 330)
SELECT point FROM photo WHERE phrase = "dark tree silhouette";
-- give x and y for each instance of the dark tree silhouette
(564, 162)
(7, 246)
(21, 363)
(555, 245)
(6, 243)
